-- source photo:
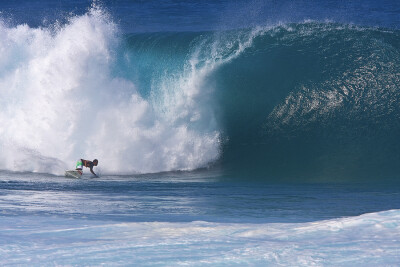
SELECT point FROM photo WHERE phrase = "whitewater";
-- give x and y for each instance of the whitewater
(266, 135)
(368, 240)
(61, 102)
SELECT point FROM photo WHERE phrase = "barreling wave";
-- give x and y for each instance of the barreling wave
(314, 101)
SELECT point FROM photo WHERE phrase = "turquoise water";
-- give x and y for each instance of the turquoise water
(300, 102)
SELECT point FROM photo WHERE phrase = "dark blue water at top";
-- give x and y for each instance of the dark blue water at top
(174, 15)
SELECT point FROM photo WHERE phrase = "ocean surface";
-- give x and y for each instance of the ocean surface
(228, 133)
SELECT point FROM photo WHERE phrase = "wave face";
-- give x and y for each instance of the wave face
(314, 101)
(307, 101)
(301, 101)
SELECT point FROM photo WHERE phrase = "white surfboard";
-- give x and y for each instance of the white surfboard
(73, 174)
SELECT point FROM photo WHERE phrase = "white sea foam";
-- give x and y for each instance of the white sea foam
(367, 240)
(60, 102)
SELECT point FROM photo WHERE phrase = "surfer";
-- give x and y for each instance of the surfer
(87, 164)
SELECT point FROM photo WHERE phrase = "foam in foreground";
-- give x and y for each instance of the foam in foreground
(366, 240)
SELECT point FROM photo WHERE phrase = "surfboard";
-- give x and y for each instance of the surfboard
(73, 174)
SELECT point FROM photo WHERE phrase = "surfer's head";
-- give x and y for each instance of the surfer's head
(95, 162)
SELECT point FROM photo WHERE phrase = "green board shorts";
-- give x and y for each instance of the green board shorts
(79, 165)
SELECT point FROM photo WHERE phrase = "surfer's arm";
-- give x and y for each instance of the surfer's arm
(91, 170)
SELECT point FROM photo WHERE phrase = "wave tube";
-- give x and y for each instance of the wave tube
(313, 102)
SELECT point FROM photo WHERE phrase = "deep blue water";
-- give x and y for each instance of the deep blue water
(186, 197)
(161, 16)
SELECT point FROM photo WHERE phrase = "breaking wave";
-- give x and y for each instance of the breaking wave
(300, 101)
